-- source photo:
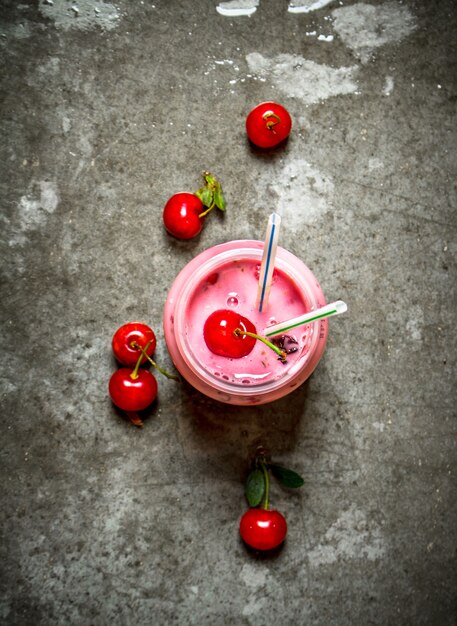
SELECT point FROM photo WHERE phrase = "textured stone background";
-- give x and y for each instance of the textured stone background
(108, 109)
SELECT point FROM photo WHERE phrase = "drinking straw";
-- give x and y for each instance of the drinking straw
(334, 308)
(268, 260)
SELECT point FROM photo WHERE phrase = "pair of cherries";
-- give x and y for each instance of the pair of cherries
(133, 388)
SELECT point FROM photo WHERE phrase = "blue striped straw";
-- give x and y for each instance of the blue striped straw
(267, 265)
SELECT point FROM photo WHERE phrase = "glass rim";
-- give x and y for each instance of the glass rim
(248, 249)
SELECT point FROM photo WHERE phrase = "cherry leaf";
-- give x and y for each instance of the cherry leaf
(219, 200)
(254, 487)
(286, 477)
(205, 195)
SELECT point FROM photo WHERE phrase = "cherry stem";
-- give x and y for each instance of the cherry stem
(282, 354)
(134, 374)
(267, 484)
(144, 354)
(135, 418)
(210, 208)
(271, 119)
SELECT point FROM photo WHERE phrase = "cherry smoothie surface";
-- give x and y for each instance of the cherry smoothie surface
(234, 286)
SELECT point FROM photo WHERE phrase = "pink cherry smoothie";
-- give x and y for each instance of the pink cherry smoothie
(234, 286)
(226, 277)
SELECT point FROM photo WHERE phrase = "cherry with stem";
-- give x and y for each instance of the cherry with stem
(184, 213)
(262, 528)
(133, 391)
(229, 334)
(268, 124)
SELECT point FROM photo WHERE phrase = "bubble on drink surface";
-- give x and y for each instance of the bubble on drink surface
(246, 381)
(232, 299)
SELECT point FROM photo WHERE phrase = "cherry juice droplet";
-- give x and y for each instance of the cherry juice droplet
(232, 300)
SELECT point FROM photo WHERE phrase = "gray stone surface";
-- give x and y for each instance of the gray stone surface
(108, 109)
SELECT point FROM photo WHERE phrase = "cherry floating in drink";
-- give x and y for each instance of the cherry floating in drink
(229, 334)
(221, 337)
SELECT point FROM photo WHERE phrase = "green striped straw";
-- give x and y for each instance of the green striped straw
(335, 308)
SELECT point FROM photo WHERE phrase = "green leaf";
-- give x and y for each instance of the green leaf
(219, 199)
(287, 477)
(254, 487)
(205, 195)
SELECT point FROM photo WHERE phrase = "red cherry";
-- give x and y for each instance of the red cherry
(181, 215)
(132, 394)
(125, 338)
(263, 529)
(268, 124)
(219, 334)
